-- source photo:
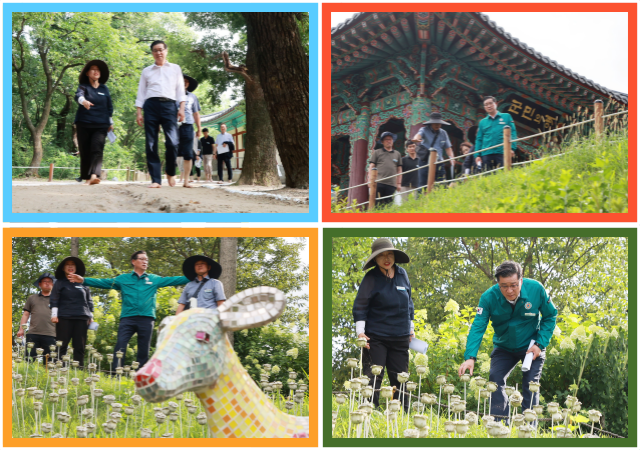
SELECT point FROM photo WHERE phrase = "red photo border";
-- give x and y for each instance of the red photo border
(328, 216)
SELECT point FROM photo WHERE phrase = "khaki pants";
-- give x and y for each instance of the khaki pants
(208, 161)
(405, 196)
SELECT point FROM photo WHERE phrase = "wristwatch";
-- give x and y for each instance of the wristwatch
(537, 344)
(474, 358)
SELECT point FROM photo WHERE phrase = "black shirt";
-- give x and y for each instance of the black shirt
(102, 109)
(207, 145)
(410, 179)
(73, 300)
(384, 303)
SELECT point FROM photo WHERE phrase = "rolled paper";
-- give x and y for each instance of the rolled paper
(526, 364)
(418, 346)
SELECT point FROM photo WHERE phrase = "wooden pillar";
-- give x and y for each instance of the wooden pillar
(359, 155)
(373, 188)
(50, 172)
(433, 156)
(506, 133)
(598, 115)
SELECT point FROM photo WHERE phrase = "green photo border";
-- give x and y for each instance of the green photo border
(329, 233)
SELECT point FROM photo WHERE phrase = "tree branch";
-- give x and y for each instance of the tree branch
(241, 69)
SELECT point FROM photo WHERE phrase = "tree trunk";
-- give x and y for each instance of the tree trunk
(260, 165)
(284, 71)
(36, 159)
(229, 263)
(75, 246)
(61, 123)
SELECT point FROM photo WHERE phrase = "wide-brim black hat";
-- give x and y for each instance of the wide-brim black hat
(104, 71)
(189, 271)
(44, 275)
(436, 118)
(383, 245)
(80, 269)
(193, 83)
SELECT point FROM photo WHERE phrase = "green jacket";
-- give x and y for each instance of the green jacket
(490, 133)
(534, 317)
(138, 293)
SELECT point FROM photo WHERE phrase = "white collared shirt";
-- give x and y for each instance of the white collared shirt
(161, 81)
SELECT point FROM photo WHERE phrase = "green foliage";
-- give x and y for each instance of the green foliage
(269, 345)
(261, 261)
(68, 41)
(590, 177)
(587, 278)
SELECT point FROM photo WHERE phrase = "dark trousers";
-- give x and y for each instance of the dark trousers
(423, 177)
(42, 341)
(186, 135)
(91, 147)
(158, 113)
(393, 355)
(143, 326)
(73, 330)
(226, 159)
(384, 190)
(502, 363)
(490, 162)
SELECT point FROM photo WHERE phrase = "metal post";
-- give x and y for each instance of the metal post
(51, 172)
(433, 155)
(506, 134)
(373, 187)
(598, 108)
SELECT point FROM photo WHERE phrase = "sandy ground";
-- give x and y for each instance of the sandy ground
(123, 197)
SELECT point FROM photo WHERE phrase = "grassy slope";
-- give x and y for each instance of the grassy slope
(591, 177)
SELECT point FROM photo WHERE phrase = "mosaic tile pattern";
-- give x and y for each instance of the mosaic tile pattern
(193, 354)
(252, 308)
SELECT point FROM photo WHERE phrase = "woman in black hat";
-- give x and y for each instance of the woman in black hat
(71, 308)
(383, 312)
(93, 119)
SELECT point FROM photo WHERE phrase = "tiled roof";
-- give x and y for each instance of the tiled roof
(622, 97)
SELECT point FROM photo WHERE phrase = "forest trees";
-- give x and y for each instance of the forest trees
(280, 120)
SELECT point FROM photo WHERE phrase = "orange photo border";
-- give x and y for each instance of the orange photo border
(310, 233)
(328, 216)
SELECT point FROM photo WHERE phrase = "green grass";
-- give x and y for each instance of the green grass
(590, 177)
(128, 426)
(379, 425)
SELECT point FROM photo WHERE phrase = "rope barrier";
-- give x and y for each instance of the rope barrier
(74, 168)
(489, 148)
(460, 179)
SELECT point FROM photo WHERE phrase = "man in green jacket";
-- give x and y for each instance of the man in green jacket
(523, 318)
(490, 133)
(138, 314)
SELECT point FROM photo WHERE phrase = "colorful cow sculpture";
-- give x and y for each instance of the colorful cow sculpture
(194, 354)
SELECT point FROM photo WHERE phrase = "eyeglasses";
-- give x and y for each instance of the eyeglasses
(143, 259)
(158, 51)
(509, 287)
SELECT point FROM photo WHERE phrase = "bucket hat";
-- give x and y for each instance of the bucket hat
(388, 133)
(44, 275)
(383, 245)
(436, 117)
(80, 268)
(104, 71)
(193, 83)
(189, 271)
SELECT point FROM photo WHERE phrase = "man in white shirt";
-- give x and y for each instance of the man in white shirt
(223, 152)
(161, 87)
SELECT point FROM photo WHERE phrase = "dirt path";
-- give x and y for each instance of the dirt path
(116, 197)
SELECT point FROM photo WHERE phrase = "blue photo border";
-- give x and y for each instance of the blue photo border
(311, 216)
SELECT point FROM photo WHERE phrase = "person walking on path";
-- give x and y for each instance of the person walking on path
(160, 90)
(93, 119)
